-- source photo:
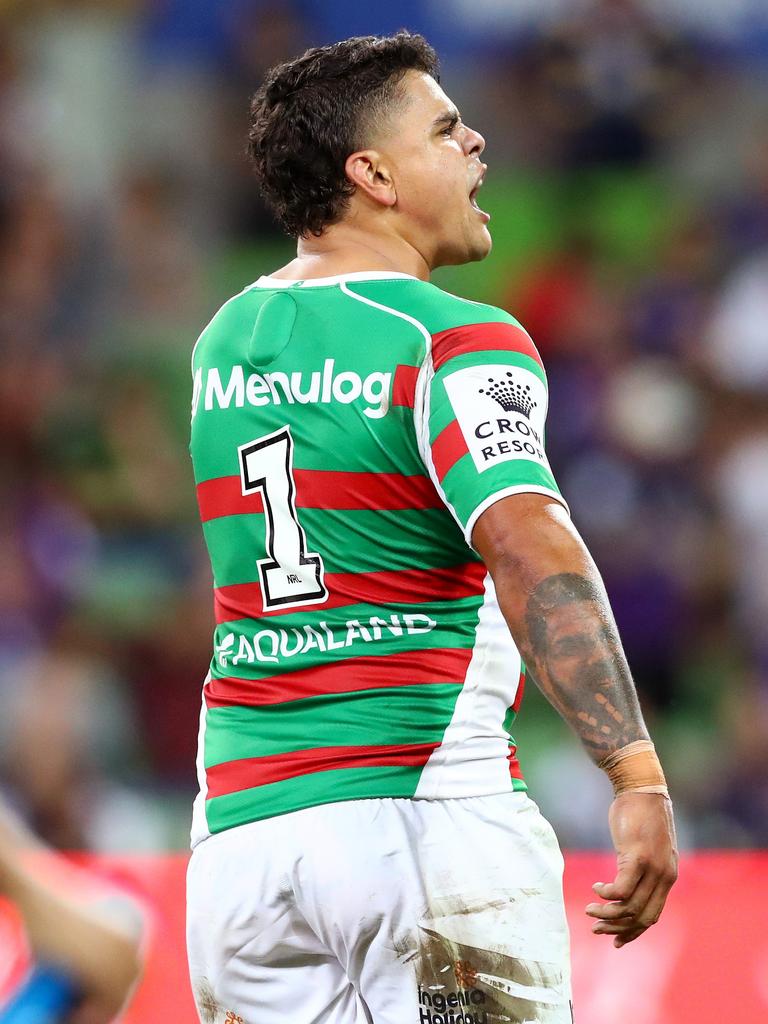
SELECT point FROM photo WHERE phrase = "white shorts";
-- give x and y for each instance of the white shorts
(385, 911)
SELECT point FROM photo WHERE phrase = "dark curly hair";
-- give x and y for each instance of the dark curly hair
(312, 112)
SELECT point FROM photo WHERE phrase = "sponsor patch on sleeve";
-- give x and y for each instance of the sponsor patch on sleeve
(501, 410)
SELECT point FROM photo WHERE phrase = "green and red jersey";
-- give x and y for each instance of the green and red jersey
(346, 435)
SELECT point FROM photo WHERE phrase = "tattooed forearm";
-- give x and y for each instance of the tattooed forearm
(572, 649)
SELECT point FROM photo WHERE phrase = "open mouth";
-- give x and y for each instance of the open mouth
(473, 197)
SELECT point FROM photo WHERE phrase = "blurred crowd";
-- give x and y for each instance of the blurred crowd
(127, 215)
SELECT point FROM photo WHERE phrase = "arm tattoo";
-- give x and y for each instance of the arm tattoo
(573, 651)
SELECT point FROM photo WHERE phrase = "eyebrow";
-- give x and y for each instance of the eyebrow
(448, 117)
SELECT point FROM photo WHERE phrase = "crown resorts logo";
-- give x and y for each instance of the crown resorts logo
(511, 426)
(510, 396)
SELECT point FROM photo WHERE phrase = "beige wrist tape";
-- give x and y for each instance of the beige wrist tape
(635, 769)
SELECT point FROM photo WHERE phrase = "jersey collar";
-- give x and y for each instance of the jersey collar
(314, 282)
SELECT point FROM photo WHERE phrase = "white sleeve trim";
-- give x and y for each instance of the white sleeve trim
(421, 423)
(504, 493)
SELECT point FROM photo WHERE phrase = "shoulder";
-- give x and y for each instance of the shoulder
(435, 309)
(238, 316)
(466, 328)
(450, 324)
(241, 306)
(453, 312)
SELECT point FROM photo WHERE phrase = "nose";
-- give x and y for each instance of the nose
(474, 143)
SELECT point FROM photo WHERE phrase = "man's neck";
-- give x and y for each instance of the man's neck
(344, 250)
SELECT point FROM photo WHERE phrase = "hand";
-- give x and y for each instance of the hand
(643, 833)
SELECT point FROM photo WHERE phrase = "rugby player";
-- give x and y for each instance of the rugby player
(391, 556)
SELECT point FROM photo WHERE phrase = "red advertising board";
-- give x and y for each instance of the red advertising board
(705, 962)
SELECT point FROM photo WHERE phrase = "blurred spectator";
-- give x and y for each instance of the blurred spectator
(261, 35)
(745, 213)
(604, 84)
(738, 348)
(560, 301)
(742, 484)
(670, 308)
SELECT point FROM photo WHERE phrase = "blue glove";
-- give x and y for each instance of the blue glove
(47, 996)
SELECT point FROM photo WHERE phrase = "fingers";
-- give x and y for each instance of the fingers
(649, 915)
(631, 906)
(628, 919)
(623, 886)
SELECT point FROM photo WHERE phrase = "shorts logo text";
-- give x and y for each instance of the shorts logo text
(464, 1006)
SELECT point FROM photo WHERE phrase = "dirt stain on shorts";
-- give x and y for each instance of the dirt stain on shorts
(208, 1006)
(475, 966)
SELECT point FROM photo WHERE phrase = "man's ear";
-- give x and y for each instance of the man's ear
(368, 172)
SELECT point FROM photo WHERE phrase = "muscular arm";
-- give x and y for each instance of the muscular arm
(556, 607)
(554, 602)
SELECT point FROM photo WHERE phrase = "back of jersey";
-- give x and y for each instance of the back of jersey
(359, 651)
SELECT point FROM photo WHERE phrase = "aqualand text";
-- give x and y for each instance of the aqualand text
(268, 645)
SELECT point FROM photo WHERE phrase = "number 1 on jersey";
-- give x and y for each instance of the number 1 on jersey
(290, 576)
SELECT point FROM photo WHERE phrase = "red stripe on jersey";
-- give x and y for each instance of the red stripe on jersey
(520, 691)
(224, 496)
(322, 488)
(367, 672)
(456, 341)
(405, 586)
(514, 765)
(248, 772)
(404, 387)
(447, 448)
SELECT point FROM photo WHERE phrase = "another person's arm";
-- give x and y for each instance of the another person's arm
(554, 602)
(83, 940)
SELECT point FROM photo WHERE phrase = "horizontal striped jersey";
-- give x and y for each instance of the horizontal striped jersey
(346, 435)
